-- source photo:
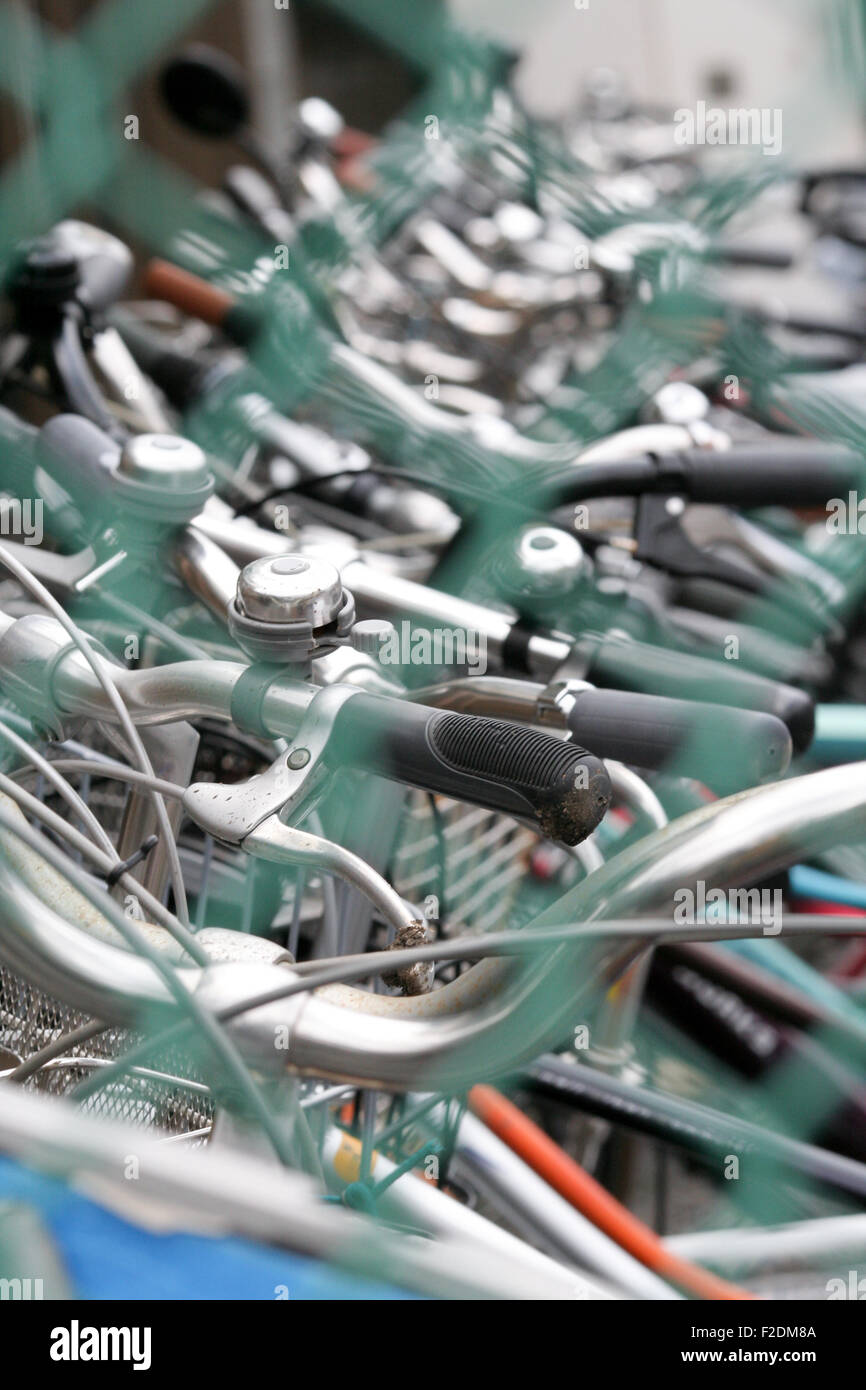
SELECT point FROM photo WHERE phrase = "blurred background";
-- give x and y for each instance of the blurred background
(362, 56)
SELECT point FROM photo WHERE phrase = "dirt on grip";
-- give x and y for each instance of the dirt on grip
(573, 816)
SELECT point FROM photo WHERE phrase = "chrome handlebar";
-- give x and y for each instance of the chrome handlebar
(489, 1020)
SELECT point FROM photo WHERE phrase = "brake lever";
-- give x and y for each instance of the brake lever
(285, 844)
(292, 786)
(57, 289)
(253, 816)
(63, 575)
(662, 542)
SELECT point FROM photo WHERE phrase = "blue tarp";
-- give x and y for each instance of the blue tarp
(107, 1257)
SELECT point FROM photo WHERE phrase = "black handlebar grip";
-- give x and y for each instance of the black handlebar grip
(726, 748)
(638, 666)
(786, 473)
(796, 473)
(502, 767)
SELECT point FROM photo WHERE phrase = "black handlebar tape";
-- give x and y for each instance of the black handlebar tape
(502, 767)
(793, 473)
(818, 326)
(638, 666)
(817, 177)
(726, 748)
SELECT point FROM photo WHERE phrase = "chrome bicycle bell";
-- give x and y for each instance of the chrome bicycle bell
(543, 566)
(290, 609)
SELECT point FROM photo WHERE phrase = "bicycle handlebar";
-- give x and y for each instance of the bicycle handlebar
(649, 731)
(83, 450)
(498, 766)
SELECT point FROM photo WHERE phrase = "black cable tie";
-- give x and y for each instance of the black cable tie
(115, 875)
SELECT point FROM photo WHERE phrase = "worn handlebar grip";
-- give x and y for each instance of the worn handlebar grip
(187, 292)
(502, 767)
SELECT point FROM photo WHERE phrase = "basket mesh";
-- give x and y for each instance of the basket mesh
(470, 861)
(31, 1020)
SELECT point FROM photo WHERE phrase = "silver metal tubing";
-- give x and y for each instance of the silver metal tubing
(532, 1207)
(765, 1249)
(172, 752)
(496, 696)
(424, 1206)
(378, 593)
(207, 570)
(282, 844)
(494, 1017)
(40, 943)
(637, 794)
(349, 369)
(238, 537)
(192, 690)
(383, 595)
(620, 1007)
(163, 694)
(645, 439)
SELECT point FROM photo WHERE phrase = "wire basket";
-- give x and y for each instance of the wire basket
(463, 864)
(162, 1096)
